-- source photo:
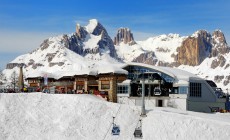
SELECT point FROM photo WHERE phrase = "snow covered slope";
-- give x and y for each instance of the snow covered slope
(61, 117)
(163, 46)
(88, 48)
(85, 117)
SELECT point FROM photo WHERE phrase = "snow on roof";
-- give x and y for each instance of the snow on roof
(86, 72)
(59, 74)
(180, 83)
(112, 69)
(177, 74)
(127, 81)
(36, 74)
(173, 72)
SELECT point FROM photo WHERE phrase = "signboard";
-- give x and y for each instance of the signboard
(52, 90)
(80, 82)
(34, 84)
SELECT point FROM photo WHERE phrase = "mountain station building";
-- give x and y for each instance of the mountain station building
(163, 86)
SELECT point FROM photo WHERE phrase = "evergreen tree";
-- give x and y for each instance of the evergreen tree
(2, 78)
(14, 80)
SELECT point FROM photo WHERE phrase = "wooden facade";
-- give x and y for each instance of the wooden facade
(83, 84)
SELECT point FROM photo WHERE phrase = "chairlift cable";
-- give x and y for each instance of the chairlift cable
(113, 121)
(139, 121)
(132, 101)
(122, 100)
(140, 118)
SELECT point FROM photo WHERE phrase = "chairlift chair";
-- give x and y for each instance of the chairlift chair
(138, 131)
(139, 91)
(157, 91)
(115, 129)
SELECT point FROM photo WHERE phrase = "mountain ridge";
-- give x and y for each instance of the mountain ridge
(91, 44)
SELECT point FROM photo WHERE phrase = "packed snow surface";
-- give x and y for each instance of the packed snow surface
(87, 117)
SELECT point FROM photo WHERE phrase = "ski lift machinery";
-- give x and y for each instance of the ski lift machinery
(151, 76)
(115, 129)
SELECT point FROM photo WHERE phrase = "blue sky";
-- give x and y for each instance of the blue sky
(24, 24)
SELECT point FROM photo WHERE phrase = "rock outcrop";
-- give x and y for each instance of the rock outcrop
(201, 45)
(80, 31)
(220, 46)
(194, 49)
(124, 35)
(147, 58)
(219, 61)
(13, 65)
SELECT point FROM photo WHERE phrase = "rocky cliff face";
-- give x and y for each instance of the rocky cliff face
(201, 45)
(220, 46)
(147, 58)
(12, 65)
(93, 32)
(124, 35)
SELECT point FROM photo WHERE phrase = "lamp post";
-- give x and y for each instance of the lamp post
(143, 112)
(20, 79)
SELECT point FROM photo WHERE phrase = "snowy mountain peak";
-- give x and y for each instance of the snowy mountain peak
(171, 35)
(218, 30)
(124, 35)
(91, 26)
(165, 37)
(123, 28)
(200, 33)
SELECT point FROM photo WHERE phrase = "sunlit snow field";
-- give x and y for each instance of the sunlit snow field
(39, 116)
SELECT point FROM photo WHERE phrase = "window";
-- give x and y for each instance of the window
(134, 72)
(33, 81)
(122, 89)
(183, 90)
(105, 85)
(195, 90)
(80, 85)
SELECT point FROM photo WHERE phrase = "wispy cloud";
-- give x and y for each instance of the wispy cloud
(21, 41)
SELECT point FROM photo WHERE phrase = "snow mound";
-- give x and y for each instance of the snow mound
(60, 117)
(86, 117)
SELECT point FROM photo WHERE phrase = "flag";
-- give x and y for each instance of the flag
(45, 79)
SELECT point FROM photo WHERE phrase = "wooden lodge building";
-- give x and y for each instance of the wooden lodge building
(163, 86)
(73, 82)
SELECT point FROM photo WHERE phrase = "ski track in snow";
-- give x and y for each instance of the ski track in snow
(41, 116)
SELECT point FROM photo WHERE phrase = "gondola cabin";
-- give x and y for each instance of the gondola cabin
(116, 130)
